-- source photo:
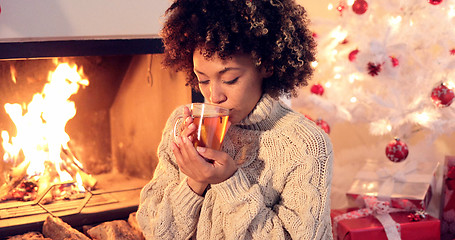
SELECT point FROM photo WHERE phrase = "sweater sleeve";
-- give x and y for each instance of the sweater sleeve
(168, 208)
(303, 209)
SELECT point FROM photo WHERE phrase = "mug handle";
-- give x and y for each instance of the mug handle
(179, 118)
(174, 132)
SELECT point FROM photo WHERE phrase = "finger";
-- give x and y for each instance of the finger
(179, 159)
(183, 149)
(194, 165)
(186, 111)
(177, 153)
(228, 125)
(218, 156)
(184, 161)
(191, 128)
(192, 154)
(187, 119)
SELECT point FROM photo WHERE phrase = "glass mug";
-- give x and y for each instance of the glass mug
(211, 124)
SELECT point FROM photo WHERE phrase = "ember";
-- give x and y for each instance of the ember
(40, 153)
(25, 191)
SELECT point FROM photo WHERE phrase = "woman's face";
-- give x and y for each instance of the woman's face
(234, 83)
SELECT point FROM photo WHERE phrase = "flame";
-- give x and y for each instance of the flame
(41, 125)
(13, 73)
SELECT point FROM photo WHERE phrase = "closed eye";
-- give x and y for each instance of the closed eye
(231, 81)
(204, 82)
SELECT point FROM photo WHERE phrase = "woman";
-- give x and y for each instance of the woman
(271, 179)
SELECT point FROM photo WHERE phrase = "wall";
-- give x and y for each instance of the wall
(140, 111)
(26, 20)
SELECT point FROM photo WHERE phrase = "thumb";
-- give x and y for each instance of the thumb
(211, 154)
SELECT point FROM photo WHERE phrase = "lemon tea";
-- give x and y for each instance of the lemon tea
(210, 131)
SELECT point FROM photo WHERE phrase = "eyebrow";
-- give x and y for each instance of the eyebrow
(220, 72)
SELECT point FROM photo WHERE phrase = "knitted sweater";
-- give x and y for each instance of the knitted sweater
(280, 190)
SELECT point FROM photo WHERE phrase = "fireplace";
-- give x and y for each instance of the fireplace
(114, 133)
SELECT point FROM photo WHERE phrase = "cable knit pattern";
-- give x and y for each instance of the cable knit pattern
(280, 191)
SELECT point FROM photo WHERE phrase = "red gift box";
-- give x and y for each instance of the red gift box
(370, 228)
(448, 199)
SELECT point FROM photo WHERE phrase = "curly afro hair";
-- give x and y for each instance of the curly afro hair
(274, 32)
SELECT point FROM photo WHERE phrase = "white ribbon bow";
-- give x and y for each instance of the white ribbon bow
(380, 210)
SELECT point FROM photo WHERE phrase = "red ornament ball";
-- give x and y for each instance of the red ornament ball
(396, 150)
(317, 89)
(360, 6)
(323, 124)
(353, 55)
(435, 2)
(442, 96)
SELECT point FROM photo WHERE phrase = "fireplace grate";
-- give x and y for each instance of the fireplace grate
(116, 197)
(57, 208)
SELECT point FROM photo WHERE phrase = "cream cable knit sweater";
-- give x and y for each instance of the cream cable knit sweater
(280, 191)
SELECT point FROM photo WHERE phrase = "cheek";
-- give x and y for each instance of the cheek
(205, 91)
(254, 88)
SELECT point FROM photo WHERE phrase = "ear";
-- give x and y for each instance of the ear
(266, 71)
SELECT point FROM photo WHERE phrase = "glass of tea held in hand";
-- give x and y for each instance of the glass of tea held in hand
(211, 124)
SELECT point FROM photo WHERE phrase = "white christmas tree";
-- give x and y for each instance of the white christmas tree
(387, 63)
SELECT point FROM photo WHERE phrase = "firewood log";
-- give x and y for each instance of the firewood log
(134, 225)
(85, 229)
(29, 236)
(114, 230)
(56, 229)
(88, 180)
(73, 163)
(17, 175)
(44, 184)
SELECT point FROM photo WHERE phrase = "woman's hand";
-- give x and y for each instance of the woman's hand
(203, 166)
(187, 128)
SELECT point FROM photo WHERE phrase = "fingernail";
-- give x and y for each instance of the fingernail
(192, 126)
(184, 139)
(201, 149)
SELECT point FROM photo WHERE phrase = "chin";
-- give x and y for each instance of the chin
(232, 120)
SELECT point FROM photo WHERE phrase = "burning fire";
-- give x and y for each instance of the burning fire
(39, 152)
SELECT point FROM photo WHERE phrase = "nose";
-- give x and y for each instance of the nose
(217, 94)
